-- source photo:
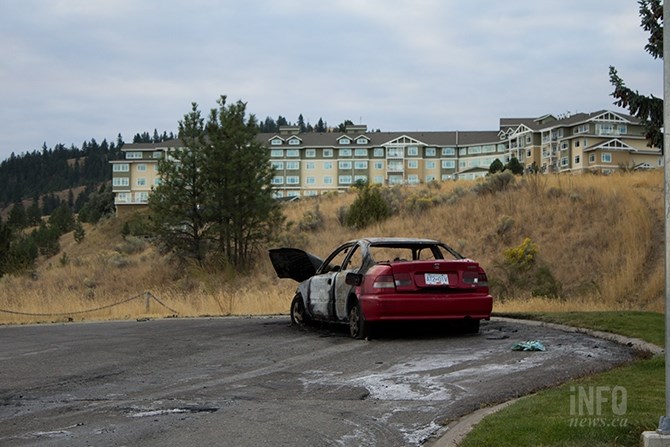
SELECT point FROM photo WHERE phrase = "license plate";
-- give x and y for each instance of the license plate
(436, 279)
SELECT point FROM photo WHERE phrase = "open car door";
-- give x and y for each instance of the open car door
(294, 263)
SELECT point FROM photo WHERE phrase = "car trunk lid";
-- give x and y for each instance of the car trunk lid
(453, 275)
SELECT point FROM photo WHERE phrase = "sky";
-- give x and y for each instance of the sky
(73, 70)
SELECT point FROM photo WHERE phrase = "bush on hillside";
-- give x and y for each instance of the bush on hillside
(368, 208)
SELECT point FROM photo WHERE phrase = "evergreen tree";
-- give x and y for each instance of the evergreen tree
(218, 190)
(62, 219)
(18, 218)
(301, 124)
(5, 242)
(649, 109)
(177, 203)
(79, 232)
(515, 166)
(320, 126)
(496, 166)
(33, 213)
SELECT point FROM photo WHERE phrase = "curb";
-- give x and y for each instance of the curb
(459, 429)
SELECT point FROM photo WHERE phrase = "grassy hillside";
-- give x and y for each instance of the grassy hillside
(599, 238)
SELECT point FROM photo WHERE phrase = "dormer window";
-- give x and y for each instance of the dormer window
(276, 141)
(362, 140)
(294, 141)
(345, 140)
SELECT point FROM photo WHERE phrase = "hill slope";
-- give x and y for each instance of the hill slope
(599, 239)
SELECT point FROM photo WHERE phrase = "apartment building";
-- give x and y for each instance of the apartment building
(602, 141)
(309, 164)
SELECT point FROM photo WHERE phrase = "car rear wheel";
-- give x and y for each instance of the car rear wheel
(358, 328)
(298, 315)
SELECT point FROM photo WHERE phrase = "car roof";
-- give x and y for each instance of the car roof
(397, 241)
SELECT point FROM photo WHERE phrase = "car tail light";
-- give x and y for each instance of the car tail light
(384, 283)
(476, 279)
(403, 280)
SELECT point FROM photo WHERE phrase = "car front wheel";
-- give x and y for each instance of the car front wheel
(298, 315)
(357, 326)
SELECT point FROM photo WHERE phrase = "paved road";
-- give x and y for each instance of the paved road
(260, 382)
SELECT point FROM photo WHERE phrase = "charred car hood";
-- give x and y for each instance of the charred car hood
(294, 263)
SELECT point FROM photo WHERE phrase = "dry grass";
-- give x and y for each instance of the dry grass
(601, 236)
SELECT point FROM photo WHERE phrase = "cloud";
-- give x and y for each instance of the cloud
(76, 69)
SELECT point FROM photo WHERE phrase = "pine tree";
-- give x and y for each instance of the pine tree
(649, 109)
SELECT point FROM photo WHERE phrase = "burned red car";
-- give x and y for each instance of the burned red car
(371, 280)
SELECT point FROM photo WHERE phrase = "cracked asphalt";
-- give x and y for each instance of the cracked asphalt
(261, 382)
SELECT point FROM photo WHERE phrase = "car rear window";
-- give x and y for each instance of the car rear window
(382, 254)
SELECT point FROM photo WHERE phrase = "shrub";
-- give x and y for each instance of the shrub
(495, 183)
(369, 207)
(312, 220)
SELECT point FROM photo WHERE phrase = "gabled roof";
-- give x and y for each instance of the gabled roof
(614, 144)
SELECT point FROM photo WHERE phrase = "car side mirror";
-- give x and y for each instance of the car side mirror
(353, 279)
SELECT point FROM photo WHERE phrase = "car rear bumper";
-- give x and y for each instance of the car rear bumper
(426, 307)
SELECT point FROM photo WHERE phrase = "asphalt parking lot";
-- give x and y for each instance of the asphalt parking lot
(259, 381)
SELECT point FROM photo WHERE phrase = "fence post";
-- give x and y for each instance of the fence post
(147, 301)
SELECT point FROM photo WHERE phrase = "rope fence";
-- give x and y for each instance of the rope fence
(147, 296)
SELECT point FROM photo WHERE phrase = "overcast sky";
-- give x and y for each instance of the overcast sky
(72, 70)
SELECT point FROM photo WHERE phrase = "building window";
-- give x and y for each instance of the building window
(430, 178)
(293, 165)
(430, 152)
(362, 140)
(133, 155)
(378, 152)
(327, 165)
(121, 167)
(277, 153)
(344, 165)
(379, 164)
(310, 181)
(430, 165)
(310, 153)
(606, 157)
(276, 141)
(413, 164)
(344, 152)
(294, 142)
(576, 143)
(157, 154)
(578, 159)
(344, 180)
(345, 141)
(378, 179)
(413, 179)
(122, 197)
(141, 167)
(293, 194)
(475, 150)
(564, 161)
(412, 151)
(448, 164)
(361, 178)
(361, 152)
(279, 165)
(278, 180)
(395, 180)
(141, 181)
(592, 158)
(448, 151)
(292, 179)
(394, 152)
(327, 153)
(141, 197)
(310, 165)
(120, 181)
(328, 180)
(292, 153)
(361, 165)
(463, 151)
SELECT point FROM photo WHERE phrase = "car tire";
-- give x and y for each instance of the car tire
(298, 313)
(358, 328)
